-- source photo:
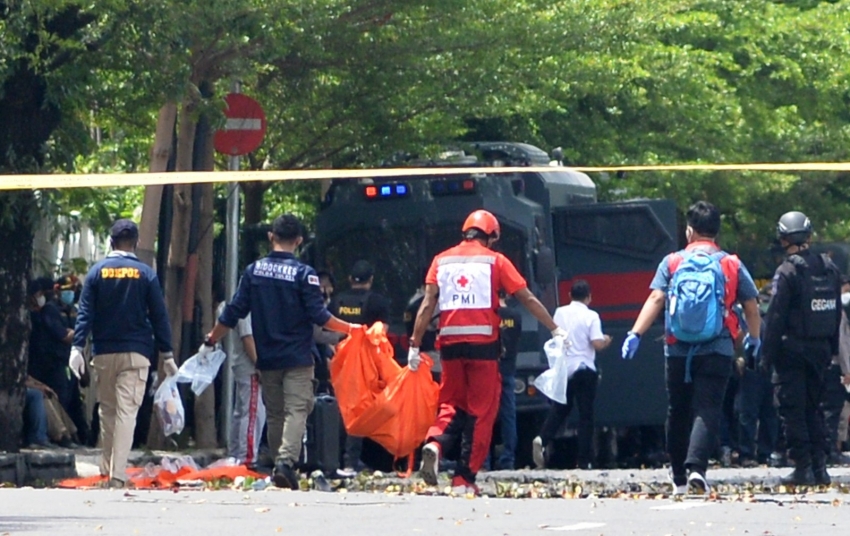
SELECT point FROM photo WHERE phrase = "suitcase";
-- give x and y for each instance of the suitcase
(320, 449)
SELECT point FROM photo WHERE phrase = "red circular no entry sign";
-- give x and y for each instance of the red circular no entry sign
(244, 128)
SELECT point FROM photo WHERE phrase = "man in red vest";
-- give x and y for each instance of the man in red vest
(466, 280)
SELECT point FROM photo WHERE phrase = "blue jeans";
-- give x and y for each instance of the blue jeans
(507, 419)
(759, 424)
(35, 418)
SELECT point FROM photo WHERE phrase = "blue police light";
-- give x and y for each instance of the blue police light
(387, 191)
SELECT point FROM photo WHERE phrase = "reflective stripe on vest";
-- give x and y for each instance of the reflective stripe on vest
(467, 330)
(460, 259)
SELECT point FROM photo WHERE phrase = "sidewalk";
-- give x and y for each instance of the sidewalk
(527, 483)
(88, 459)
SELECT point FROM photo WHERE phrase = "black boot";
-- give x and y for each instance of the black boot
(284, 476)
(801, 476)
(819, 470)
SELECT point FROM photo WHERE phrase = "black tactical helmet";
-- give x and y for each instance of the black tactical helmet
(794, 227)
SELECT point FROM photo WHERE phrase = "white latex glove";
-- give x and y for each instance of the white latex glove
(77, 362)
(559, 332)
(168, 365)
(205, 350)
(413, 358)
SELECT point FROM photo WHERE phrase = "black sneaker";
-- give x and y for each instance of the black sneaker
(284, 476)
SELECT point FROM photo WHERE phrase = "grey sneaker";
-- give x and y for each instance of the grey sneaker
(538, 453)
(430, 463)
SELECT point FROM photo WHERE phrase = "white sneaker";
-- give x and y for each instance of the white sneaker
(678, 489)
(698, 484)
(430, 463)
(537, 452)
(347, 472)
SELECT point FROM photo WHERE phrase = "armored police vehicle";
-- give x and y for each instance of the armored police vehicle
(554, 231)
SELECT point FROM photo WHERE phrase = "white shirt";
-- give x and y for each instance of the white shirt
(583, 326)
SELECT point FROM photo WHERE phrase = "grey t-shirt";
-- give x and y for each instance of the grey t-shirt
(240, 364)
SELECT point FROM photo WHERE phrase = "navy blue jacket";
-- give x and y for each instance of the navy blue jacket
(284, 299)
(47, 349)
(122, 306)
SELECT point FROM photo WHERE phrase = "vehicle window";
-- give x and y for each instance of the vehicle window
(392, 252)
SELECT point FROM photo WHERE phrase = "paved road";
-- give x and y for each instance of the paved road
(32, 512)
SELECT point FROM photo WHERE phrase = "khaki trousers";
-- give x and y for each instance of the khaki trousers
(120, 390)
(59, 424)
(288, 397)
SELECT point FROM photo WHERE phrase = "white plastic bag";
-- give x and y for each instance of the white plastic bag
(169, 407)
(553, 382)
(201, 371)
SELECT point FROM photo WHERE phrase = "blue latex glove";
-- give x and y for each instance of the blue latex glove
(630, 345)
(752, 344)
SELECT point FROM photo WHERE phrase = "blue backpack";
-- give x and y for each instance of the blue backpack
(695, 298)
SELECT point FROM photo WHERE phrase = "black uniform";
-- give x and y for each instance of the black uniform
(802, 336)
(510, 330)
(360, 306)
(429, 339)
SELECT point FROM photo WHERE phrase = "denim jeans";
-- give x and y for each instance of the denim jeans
(759, 423)
(831, 405)
(507, 420)
(35, 418)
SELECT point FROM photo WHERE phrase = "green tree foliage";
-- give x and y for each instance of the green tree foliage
(716, 81)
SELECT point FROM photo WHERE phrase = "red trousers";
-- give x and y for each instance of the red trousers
(469, 403)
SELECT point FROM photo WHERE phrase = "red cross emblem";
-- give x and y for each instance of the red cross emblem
(462, 282)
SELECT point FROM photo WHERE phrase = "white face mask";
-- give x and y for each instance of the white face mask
(845, 299)
(40, 301)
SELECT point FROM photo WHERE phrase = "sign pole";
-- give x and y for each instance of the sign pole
(231, 280)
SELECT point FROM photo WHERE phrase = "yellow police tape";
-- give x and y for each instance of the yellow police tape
(100, 180)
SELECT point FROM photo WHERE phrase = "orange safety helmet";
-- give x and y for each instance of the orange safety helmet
(483, 221)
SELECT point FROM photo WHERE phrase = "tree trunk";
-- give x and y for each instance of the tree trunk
(179, 249)
(205, 423)
(179, 252)
(16, 237)
(153, 194)
(253, 201)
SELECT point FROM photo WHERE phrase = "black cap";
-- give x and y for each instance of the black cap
(361, 272)
(39, 285)
(845, 280)
(124, 228)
